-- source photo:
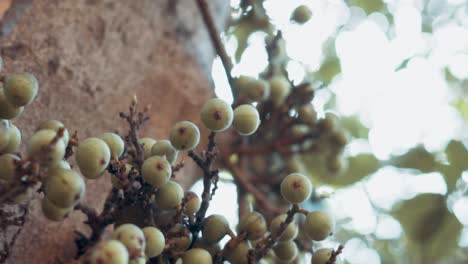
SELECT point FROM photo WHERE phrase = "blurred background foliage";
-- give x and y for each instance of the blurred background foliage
(396, 73)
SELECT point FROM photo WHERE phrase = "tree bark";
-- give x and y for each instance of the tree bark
(90, 57)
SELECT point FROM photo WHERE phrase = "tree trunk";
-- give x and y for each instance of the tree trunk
(90, 57)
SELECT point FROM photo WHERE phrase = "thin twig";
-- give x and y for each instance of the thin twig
(217, 43)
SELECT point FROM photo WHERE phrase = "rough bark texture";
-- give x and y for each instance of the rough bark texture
(90, 57)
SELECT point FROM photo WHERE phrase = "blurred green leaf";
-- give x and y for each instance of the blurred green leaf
(254, 21)
(416, 158)
(461, 105)
(358, 167)
(354, 126)
(457, 154)
(403, 64)
(329, 69)
(369, 6)
(431, 230)
(451, 175)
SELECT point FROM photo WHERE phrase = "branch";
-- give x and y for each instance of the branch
(262, 247)
(217, 43)
(208, 176)
(249, 187)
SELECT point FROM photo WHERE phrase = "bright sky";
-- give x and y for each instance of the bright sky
(402, 108)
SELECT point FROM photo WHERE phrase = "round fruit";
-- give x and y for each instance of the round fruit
(133, 239)
(215, 227)
(169, 195)
(296, 188)
(64, 188)
(318, 225)
(307, 114)
(109, 252)
(165, 148)
(62, 164)
(322, 256)
(192, 203)
(217, 115)
(179, 237)
(38, 144)
(14, 141)
(156, 171)
(141, 260)
(238, 255)
(301, 14)
(211, 248)
(8, 167)
(5, 134)
(286, 251)
(147, 144)
(252, 89)
(184, 135)
(7, 110)
(254, 224)
(289, 233)
(155, 241)
(21, 88)
(196, 256)
(246, 119)
(114, 142)
(280, 89)
(53, 212)
(92, 157)
(55, 125)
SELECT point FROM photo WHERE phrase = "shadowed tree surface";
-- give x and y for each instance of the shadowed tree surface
(90, 58)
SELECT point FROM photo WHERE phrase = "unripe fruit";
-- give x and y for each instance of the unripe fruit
(179, 237)
(53, 212)
(280, 89)
(41, 140)
(322, 256)
(62, 164)
(286, 251)
(307, 114)
(238, 255)
(169, 195)
(156, 171)
(197, 256)
(217, 115)
(192, 203)
(109, 252)
(7, 110)
(114, 142)
(155, 241)
(184, 135)
(147, 144)
(246, 119)
(211, 248)
(141, 260)
(318, 225)
(254, 224)
(133, 239)
(21, 88)
(301, 14)
(289, 233)
(64, 188)
(329, 123)
(92, 157)
(14, 140)
(4, 134)
(252, 89)
(55, 125)
(215, 227)
(8, 167)
(296, 188)
(165, 148)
